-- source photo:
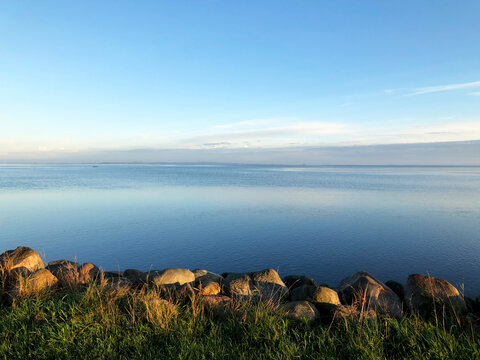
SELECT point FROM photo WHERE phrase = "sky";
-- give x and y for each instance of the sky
(240, 81)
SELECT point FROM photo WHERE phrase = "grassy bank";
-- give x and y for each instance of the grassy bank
(98, 322)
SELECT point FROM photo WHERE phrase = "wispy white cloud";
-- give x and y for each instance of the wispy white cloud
(268, 134)
(440, 88)
(477, 93)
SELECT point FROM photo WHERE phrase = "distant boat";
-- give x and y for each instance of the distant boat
(94, 165)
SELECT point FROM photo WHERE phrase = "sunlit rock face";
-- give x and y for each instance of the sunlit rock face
(300, 309)
(21, 257)
(364, 291)
(427, 296)
(169, 276)
(265, 285)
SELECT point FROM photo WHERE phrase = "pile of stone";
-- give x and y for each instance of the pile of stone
(361, 294)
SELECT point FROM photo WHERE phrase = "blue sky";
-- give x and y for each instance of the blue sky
(96, 76)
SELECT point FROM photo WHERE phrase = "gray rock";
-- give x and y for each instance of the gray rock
(239, 285)
(300, 310)
(169, 276)
(367, 293)
(270, 286)
(263, 285)
(427, 296)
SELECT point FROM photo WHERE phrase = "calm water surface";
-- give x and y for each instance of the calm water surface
(326, 222)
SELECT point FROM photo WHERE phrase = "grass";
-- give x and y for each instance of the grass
(98, 322)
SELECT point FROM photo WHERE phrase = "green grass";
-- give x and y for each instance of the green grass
(97, 323)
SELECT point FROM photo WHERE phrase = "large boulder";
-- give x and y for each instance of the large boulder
(170, 276)
(263, 285)
(427, 296)
(299, 310)
(21, 257)
(239, 285)
(270, 286)
(65, 270)
(35, 282)
(367, 293)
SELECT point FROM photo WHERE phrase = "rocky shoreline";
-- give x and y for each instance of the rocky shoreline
(23, 273)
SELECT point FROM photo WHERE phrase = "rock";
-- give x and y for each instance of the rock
(70, 273)
(300, 309)
(294, 281)
(115, 279)
(21, 257)
(112, 274)
(64, 270)
(301, 292)
(87, 272)
(325, 299)
(211, 288)
(317, 294)
(427, 295)
(169, 276)
(219, 305)
(209, 284)
(365, 292)
(324, 295)
(39, 280)
(263, 285)
(269, 276)
(133, 274)
(397, 288)
(134, 277)
(270, 285)
(352, 312)
(472, 305)
(239, 285)
(199, 272)
(217, 300)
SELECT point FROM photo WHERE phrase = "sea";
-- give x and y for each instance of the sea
(325, 222)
